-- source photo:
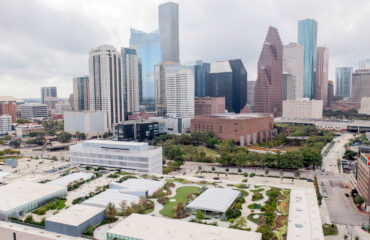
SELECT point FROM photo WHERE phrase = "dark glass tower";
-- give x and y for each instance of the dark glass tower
(200, 71)
(268, 95)
(228, 79)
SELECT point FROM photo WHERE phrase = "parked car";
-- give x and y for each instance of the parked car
(346, 194)
(309, 180)
(216, 178)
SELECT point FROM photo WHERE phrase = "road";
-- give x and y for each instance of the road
(336, 152)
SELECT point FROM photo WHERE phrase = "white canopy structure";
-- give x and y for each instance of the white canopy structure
(134, 186)
(64, 181)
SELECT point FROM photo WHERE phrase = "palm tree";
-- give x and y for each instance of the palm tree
(179, 209)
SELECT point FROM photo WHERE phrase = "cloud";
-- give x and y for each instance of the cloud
(44, 43)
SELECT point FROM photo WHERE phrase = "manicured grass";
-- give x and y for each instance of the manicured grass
(57, 204)
(150, 210)
(181, 195)
(254, 206)
(329, 229)
(257, 190)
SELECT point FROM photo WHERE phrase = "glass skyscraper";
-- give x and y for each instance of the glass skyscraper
(343, 81)
(81, 93)
(200, 70)
(149, 52)
(307, 36)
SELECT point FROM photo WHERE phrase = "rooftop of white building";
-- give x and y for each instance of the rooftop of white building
(220, 67)
(111, 196)
(140, 184)
(64, 181)
(157, 228)
(75, 215)
(19, 193)
(215, 199)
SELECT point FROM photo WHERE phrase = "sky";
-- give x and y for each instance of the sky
(47, 42)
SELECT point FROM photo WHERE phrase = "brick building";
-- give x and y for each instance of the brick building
(246, 128)
(363, 178)
(209, 105)
(8, 108)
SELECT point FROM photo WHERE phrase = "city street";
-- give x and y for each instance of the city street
(329, 162)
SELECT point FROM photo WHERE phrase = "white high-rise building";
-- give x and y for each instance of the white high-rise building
(293, 63)
(303, 108)
(365, 106)
(131, 79)
(106, 83)
(5, 124)
(174, 90)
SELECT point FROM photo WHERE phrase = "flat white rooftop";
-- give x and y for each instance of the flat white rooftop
(304, 220)
(75, 215)
(157, 228)
(111, 195)
(215, 199)
(139, 184)
(3, 175)
(19, 193)
(64, 181)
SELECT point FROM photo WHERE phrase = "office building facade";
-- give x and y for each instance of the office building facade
(293, 64)
(106, 83)
(322, 72)
(34, 111)
(149, 54)
(81, 98)
(289, 86)
(363, 178)
(228, 79)
(360, 85)
(139, 157)
(365, 106)
(330, 93)
(307, 37)
(168, 18)
(303, 108)
(200, 71)
(91, 123)
(209, 106)
(131, 79)
(343, 81)
(268, 94)
(5, 124)
(136, 130)
(8, 107)
(250, 92)
(364, 63)
(48, 92)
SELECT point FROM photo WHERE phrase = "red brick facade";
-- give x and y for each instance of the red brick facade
(209, 105)
(363, 178)
(8, 108)
(244, 128)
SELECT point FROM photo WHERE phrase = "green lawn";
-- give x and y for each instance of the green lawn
(181, 195)
(329, 229)
(210, 152)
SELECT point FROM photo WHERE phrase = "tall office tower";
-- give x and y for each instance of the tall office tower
(360, 84)
(140, 72)
(149, 53)
(161, 72)
(307, 37)
(293, 64)
(268, 94)
(364, 63)
(81, 93)
(343, 81)
(106, 83)
(330, 93)
(168, 18)
(250, 92)
(200, 71)
(322, 71)
(48, 92)
(228, 79)
(289, 86)
(130, 69)
(8, 107)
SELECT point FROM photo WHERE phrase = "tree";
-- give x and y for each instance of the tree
(296, 174)
(359, 200)
(211, 142)
(179, 209)
(64, 137)
(213, 169)
(267, 171)
(22, 121)
(199, 215)
(281, 173)
(7, 137)
(16, 143)
(80, 135)
(240, 222)
(350, 155)
(110, 212)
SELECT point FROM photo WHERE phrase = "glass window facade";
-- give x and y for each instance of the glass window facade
(343, 81)
(307, 36)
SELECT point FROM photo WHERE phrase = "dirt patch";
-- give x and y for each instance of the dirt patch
(261, 220)
(280, 221)
(281, 197)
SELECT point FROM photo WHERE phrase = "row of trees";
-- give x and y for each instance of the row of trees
(350, 114)
(195, 138)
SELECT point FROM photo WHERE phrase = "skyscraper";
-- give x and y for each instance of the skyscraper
(81, 93)
(130, 69)
(174, 87)
(268, 91)
(293, 64)
(250, 92)
(168, 14)
(106, 83)
(364, 63)
(48, 92)
(360, 85)
(200, 71)
(330, 93)
(289, 86)
(149, 53)
(307, 37)
(228, 79)
(343, 81)
(322, 71)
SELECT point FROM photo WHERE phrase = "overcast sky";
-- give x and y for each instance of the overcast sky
(46, 42)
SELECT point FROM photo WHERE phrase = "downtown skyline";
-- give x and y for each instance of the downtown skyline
(43, 62)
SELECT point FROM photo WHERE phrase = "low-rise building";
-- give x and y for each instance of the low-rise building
(246, 128)
(5, 124)
(172, 125)
(302, 108)
(136, 130)
(70, 178)
(363, 178)
(139, 157)
(8, 107)
(75, 220)
(138, 226)
(24, 130)
(138, 187)
(209, 105)
(92, 123)
(61, 107)
(18, 198)
(365, 106)
(34, 111)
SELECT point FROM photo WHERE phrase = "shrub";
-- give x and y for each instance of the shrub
(252, 174)
(245, 180)
(245, 174)
(257, 196)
